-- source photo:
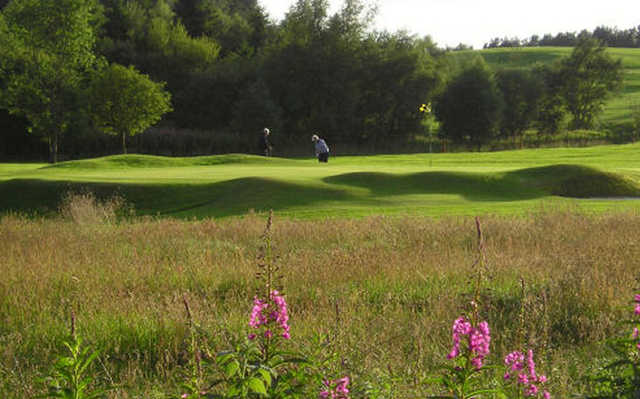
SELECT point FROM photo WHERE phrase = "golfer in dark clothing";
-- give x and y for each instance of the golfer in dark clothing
(322, 149)
(265, 145)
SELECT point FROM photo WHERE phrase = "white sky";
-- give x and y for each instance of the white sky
(475, 22)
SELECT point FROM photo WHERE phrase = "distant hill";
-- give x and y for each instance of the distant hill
(617, 110)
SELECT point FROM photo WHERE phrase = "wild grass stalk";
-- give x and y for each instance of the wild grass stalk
(383, 289)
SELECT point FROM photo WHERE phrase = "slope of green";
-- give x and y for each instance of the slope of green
(617, 109)
(153, 161)
(421, 184)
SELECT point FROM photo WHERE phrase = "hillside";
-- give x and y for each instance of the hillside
(617, 110)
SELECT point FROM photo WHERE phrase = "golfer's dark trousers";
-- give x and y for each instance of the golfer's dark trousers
(323, 157)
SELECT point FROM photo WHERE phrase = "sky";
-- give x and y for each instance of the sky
(476, 22)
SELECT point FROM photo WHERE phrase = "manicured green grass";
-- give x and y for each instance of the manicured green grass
(617, 109)
(418, 184)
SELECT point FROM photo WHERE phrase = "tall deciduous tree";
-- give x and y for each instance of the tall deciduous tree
(552, 112)
(53, 43)
(125, 102)
(589, 75)
(521, 92)
(469, 108)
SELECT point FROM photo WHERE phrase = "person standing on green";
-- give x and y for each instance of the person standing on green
(322, 149)
(265, 145)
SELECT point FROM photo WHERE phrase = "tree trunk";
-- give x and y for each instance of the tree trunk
(53, 148)
(124, 143)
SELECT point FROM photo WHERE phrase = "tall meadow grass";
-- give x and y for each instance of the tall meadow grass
(385, 291)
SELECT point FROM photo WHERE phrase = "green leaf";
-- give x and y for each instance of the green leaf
(266, 376)
(257, 386)
(231, 368)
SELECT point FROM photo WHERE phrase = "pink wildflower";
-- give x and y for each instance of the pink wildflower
(637, 298)
(523, 379)
(528, 378)
(479, 339)
(531, 365)
(515, 360)
(460, 327)
(266, 313)
(336, 389)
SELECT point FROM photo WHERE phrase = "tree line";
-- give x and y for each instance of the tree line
(478, 104)
(215, 72)
(612, 37)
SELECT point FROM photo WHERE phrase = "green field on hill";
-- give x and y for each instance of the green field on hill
(593, 179)
(617, 110)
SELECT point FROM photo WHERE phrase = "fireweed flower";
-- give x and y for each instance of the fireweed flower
(478, 337)
(270, 315)
(335, 389)
(528, 379)
(514, 361)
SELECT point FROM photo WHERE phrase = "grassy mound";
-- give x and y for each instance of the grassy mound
(577, 181)
(421, 184)
(153, 161)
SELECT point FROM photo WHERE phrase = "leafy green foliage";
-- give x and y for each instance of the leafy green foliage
(470, 106)
(247, 374)
(589, 75)
(72, 376)
(126, 102)
(620, 378)
(52, 45)
(521, 92)
(552, 111)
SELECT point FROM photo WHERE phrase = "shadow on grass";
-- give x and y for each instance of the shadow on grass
(574, 181)
(476, 187)
(228, 198)
(577, 181)
(238, 196)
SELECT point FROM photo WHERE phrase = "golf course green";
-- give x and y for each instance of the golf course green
(592, 179)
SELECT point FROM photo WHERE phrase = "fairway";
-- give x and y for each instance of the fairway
(509, 182)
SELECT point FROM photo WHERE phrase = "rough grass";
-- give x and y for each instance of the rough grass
(385, 290)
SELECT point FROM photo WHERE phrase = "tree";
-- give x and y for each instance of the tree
(521, 93)
(125, 102)
(589, 75)
(255, 109)
(469, 108)
(52, 53)
(551, 109)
